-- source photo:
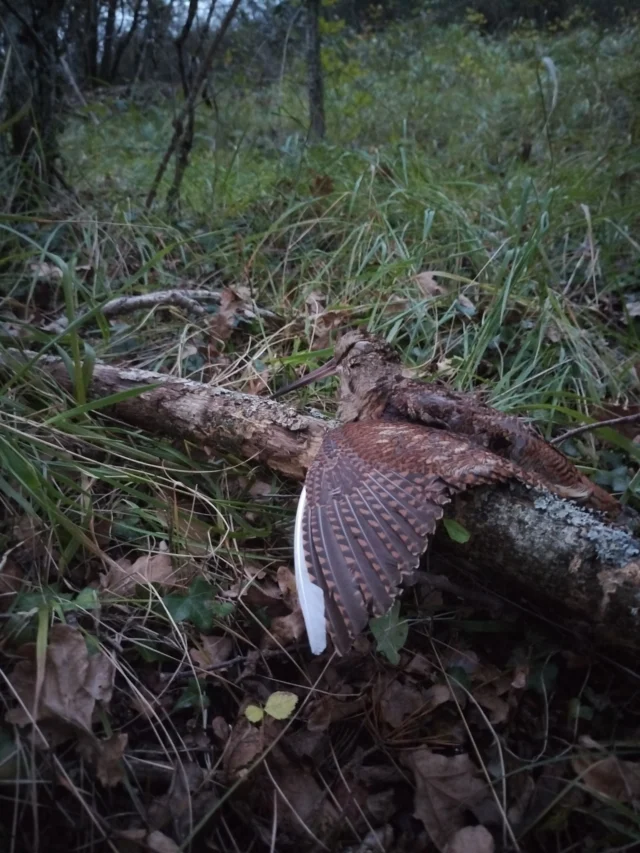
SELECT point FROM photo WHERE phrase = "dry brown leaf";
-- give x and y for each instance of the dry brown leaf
(330, 709)
(438, 695)
(400, 701)
(246, 743)
(286, 629)
(610, 776)
(158, 842)
(74, 681)
(107, 756)
(222, 324)
(323, 322)
(195, 532)
(109, 767)
(213, 651)
(471, 839)
(446, 788)
(260, 489)
(487, 697)
(123, 576)
(178, 803)
(427, 283)
(221, 729)
(303, 804)
(287, 584)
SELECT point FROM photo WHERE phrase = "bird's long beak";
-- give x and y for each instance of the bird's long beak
(327, 369)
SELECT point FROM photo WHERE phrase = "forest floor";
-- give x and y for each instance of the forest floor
(477, 201)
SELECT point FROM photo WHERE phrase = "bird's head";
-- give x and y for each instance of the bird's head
(367, 366)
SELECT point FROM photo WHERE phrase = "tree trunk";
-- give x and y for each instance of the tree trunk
(522, 539)
(91, 41)
(314, 68)
(123, 42)
(33, 90)
(106, 75)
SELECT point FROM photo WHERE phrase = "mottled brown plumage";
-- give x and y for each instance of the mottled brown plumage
(377, 487)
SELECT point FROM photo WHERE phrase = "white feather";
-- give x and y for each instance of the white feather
(310, 595)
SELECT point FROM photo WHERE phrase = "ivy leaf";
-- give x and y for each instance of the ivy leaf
(456, 531)
(280, 705)
(192, 697)
(198, 606)
(391, 632)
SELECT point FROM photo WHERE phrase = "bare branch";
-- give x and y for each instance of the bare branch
(623, 419)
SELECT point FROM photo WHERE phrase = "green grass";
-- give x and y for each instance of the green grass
(517, 181)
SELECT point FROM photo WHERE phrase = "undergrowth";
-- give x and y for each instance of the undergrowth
(478, 203)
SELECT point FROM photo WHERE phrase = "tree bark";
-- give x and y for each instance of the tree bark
(124, 41)
(33, 89)
(92, 13)
(314, 70)
(521, 538)
(107, 47)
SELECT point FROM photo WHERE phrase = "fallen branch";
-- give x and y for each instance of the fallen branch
(623, 419)
(187, 299)
(557, 552)
(211, 417)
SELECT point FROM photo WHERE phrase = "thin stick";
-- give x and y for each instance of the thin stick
(624, 419)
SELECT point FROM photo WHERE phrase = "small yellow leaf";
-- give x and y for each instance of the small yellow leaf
(280, 704)
(253, 713)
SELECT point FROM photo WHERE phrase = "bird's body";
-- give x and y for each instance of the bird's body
(376, 490)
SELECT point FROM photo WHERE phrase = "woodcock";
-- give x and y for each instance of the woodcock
(376, 489)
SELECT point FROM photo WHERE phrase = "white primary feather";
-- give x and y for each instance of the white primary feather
(310, 595)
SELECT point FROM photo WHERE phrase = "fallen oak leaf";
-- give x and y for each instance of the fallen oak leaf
(398, 702)
(107, 757)
(213, 651)
(246, 743)
(109, 766)
(74, 681)
(609, 776)
(446, 789)
(123, 576)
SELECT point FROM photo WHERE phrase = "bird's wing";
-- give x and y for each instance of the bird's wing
(372, 499)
